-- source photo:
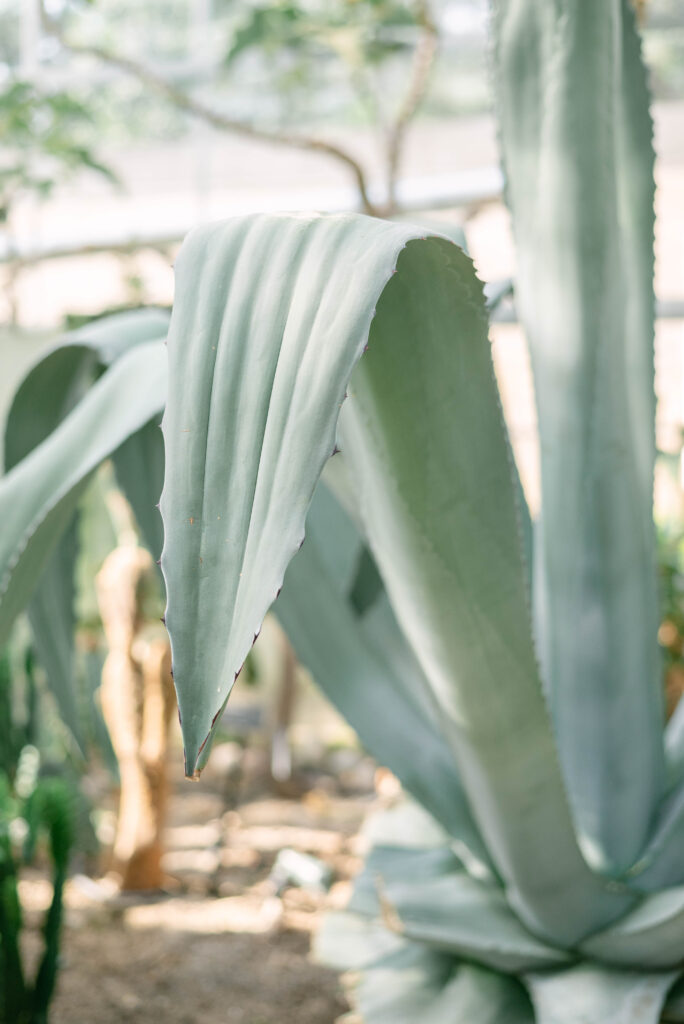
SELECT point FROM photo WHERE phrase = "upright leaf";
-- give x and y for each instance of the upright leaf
(576, 137)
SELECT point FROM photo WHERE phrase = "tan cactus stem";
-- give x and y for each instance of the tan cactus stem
(137, 704)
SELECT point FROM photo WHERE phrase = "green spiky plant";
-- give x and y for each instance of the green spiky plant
(508, 673)
(36, 805)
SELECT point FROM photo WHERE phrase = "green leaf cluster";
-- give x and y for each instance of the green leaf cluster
(47, 138)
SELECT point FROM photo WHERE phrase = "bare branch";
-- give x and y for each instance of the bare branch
(23, 261)
(203, 112)
(423, 60)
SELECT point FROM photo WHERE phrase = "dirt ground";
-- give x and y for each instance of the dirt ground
(225, 943)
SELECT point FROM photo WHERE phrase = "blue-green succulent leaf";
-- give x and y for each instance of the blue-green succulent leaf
(593, 994)
(662, 862)
(52, 617)
(363, 665)
(576, 137)
(650, 937)
(48, 392)
(416, 984)
(39, 495)
(139, 467)
(426, 896)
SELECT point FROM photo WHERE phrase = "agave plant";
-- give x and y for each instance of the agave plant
(527, 717)
(506, 671)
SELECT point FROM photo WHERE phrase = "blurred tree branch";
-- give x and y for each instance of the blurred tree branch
(423, 61)
(395, 132)
(197, 108)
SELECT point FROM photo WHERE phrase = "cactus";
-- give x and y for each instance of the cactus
(49, 807)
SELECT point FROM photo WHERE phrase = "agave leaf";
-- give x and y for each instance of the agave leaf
(416, 984)
(271, 317)
(592, 994)
(674, 1007)
(38, 496)
(576, 136)
(60, 377)
(50, 389)
(674, 745)
(496, 292)
(394, 865)
(425, 896)
(353, 661)
(52, 618)
(408, 824)
(650, 937)
(351, 942)
(139, 466)
(662, 863)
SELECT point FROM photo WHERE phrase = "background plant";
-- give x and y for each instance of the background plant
(302, 50)
(32, 804)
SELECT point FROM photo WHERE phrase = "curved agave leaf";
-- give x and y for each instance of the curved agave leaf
(38, 497)
(576, 134)
(674, 745)
(426, 896)
(416, 984)
(350, 942)
(139, 468)
(651, 936)
(662, 863)
(674, 1007)
(61, 376)
(52, 619)
(354, 661)
(271, 317)
(591, 994)
(391, 865)
(407, 824)
(50, 389)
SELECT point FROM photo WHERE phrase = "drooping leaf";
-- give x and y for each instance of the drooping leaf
(38, 496)
(593, 994)
(576, 135)
(271, 316)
